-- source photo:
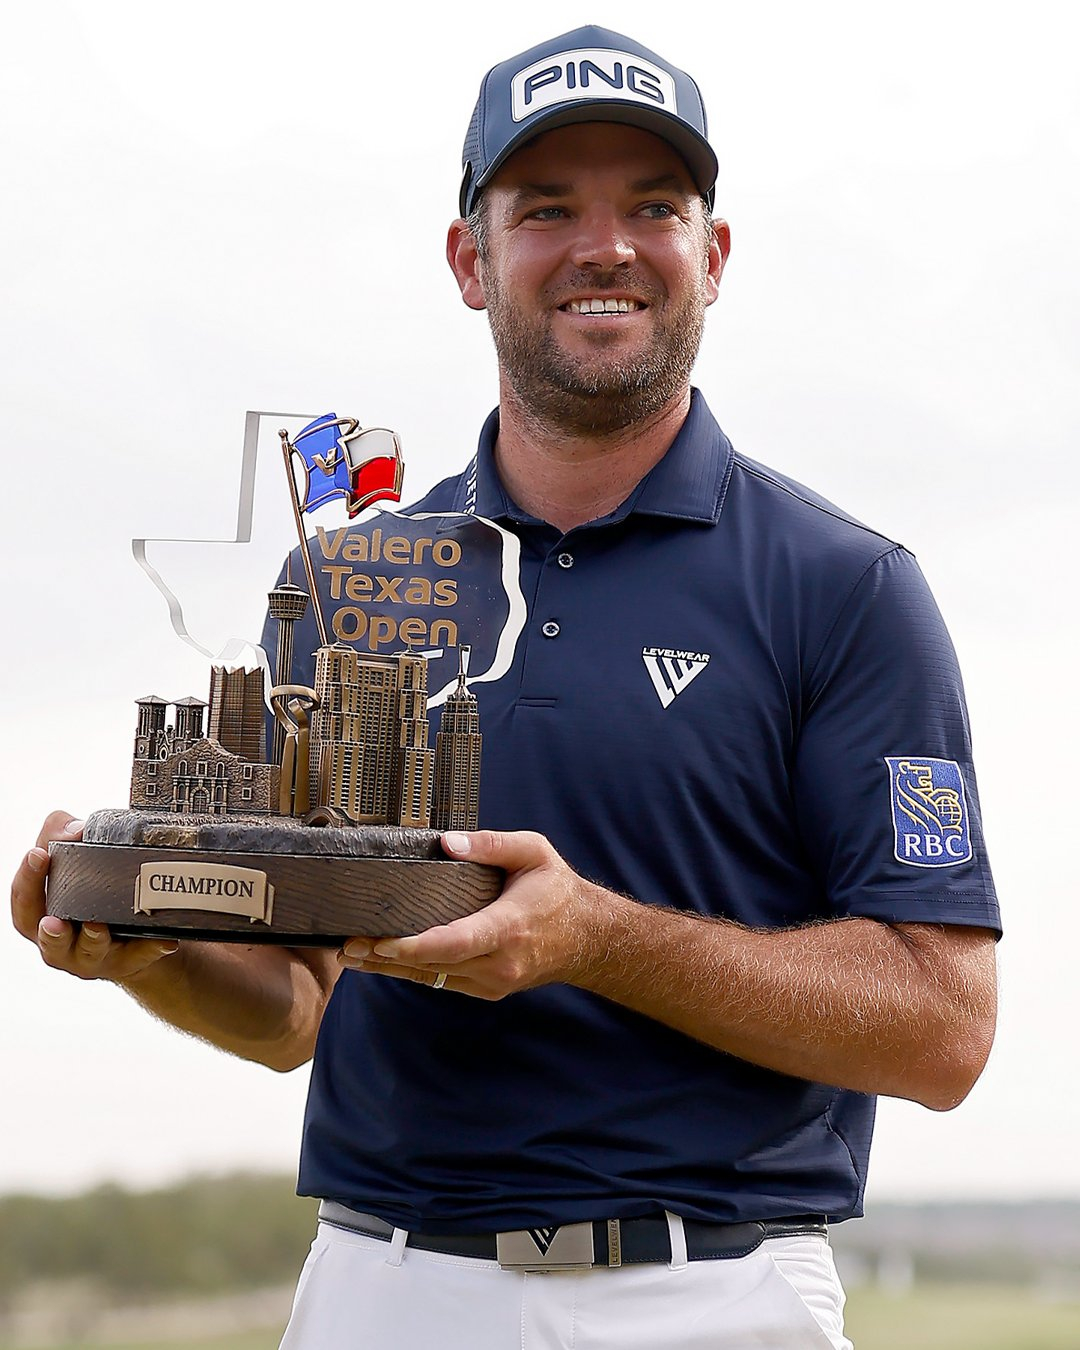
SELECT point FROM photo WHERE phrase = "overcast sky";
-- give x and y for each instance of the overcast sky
(211, 208)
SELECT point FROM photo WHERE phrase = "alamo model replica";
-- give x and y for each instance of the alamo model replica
(306, 814)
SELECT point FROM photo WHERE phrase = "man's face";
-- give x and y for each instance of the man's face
(597, 271)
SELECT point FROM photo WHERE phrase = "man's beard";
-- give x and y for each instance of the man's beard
(600, 395)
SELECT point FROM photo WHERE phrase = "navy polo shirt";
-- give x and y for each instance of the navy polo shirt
(729, 698)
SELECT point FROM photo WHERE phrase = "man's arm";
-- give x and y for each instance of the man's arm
(260, 1002)
(905, 1010)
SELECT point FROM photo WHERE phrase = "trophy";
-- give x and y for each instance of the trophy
(307, 812)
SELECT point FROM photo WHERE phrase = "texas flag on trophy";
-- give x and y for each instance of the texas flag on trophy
(342, 459)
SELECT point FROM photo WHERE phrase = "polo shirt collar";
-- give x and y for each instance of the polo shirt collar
(687, 484)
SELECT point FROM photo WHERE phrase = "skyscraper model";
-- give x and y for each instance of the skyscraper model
(457, 757)
(237, 711)
(369, 742)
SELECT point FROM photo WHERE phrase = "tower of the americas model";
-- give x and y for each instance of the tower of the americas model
(288, 604)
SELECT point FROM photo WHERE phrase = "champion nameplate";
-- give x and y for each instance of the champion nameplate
(212, 887)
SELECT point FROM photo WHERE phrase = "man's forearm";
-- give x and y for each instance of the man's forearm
(905, 1010)
(262, 1003)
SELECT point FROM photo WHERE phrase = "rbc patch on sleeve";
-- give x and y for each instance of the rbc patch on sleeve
(929, 811)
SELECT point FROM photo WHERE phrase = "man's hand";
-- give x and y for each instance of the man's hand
(540, 930)
(263, 1003)
(87, 951)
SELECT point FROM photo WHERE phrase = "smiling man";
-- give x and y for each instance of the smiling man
(595, 277)
(729, 778)
(593, 253)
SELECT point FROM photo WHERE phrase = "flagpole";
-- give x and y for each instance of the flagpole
(287, 450)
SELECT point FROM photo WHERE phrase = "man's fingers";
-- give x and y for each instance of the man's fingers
(449, 944)
(455, 979)
(28, 884)
(79, 951)
(132, 956)
(92, 947)
(28, 893)
(396, 970)
(455, 843)
(514, 850)
(56, 942)
(60, 826)
(92, 953)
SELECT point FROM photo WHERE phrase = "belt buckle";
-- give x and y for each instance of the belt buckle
(569, 1247)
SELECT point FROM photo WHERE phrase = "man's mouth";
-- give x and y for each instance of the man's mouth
(598, 305)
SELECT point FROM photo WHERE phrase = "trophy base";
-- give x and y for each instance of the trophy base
(250, 879)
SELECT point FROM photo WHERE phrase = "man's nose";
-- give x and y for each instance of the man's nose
(603, 239)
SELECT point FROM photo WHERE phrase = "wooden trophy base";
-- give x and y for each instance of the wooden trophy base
(235, 878)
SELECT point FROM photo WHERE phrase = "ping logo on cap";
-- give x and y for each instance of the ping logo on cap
(590, 73)
(929, 810)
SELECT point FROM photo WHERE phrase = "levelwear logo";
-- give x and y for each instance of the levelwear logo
(671, 671)
(543, 1237)
(590, 73)
(929, 810)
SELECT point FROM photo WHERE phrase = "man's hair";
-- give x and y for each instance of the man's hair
(477, 222)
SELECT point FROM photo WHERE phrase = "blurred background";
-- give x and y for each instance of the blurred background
(215, 208)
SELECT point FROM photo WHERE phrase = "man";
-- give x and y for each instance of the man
(728, 776)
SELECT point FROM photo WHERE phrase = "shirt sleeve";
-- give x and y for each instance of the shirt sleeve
(883, 781)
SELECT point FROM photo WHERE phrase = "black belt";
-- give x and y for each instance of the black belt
(603, 1242)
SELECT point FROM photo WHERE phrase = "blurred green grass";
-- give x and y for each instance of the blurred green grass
(251, 1340)
(961, 1317)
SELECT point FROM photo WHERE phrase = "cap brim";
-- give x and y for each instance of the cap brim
(694, 149)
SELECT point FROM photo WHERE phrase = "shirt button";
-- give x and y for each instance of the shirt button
(565, 560)
(550, 629)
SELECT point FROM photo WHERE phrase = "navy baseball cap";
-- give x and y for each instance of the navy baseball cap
(589, 75)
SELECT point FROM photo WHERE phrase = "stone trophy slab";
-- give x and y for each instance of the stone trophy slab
(245, 879)
(309, 809)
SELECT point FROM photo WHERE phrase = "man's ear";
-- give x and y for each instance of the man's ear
(464, 262)
(719, 248)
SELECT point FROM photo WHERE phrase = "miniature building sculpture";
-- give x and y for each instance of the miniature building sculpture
(369, 737)
(362, 735)
(414, 764)
(237, 711)
(287, 604)
(153, 739)
(189, 721)
(179, 768)
(457, 758)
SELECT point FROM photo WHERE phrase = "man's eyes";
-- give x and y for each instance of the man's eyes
(651, 211)
(658, 211)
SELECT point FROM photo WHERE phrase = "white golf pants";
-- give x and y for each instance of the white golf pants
(362, 1293)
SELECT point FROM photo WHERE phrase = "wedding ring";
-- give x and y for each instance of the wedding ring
(440, 980)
